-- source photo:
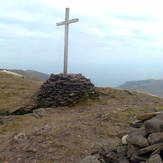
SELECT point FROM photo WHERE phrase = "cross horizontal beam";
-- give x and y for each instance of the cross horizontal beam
(67, 22)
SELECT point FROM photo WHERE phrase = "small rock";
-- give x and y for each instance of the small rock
(124, 139)
(31, 150)
(155, 138)
(112, 156)
(150, 149)
(90, 159)
(137, 140)
(122, 151)
(140, 132)
(131, 150)
(19, 137)
(136, 124)
(154, 159)
(125, 160)
(147, 116)
(110, 147)
(153, 125)
(159, 116)
(136, 158)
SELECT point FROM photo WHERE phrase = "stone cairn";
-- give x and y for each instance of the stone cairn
(142, 145)
(65, 90)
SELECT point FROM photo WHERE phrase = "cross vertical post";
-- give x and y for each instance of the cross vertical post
(66, 23)
(66, 41)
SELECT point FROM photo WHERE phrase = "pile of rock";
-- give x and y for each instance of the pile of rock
(144, 144)
(64, 90)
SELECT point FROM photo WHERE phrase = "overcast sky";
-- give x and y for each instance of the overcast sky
(114, 41)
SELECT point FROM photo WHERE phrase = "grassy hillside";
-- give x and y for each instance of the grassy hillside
(154, 87)
(15, 91)
(31, 74)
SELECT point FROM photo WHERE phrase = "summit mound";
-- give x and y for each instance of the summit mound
(65, 90)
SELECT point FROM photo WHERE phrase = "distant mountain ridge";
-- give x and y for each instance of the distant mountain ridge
(31, 74)
(151, 86)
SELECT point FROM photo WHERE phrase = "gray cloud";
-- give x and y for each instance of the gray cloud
(136, 17)
(29, 39)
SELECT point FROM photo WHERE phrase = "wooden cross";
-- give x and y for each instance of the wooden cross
(66, 23)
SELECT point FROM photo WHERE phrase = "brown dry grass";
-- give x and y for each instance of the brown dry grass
(15, 91)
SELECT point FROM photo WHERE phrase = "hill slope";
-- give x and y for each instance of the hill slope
(154, 87)
(31, 74)
(15, 91)
(67, 134)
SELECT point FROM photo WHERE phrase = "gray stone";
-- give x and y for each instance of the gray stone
(110, 147)
(131, 150)
(140, 131)
(154, 159)
(136, 124)
(159, 116)
(90, 159)
(19, 138)
(150, 149)
(125, 160)
(155, 138)
(112, 156)
(122, 151)
(137, 140)
(158, 151)
(153, 125)
(136, 158)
